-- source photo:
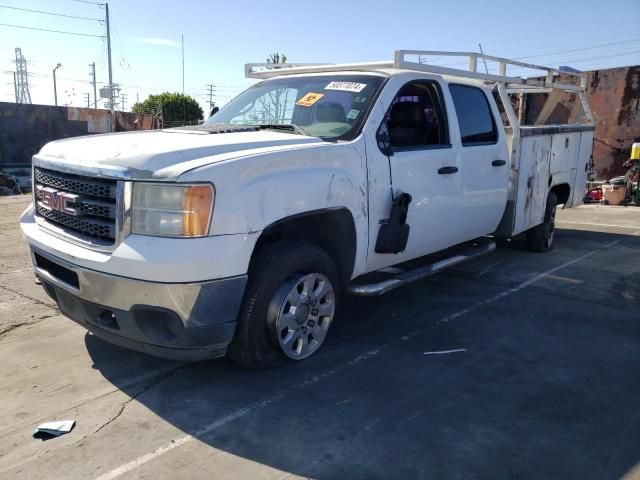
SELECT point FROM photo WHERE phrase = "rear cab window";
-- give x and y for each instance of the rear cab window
(475, 119)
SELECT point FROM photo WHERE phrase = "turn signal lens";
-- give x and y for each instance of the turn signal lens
(196, 210)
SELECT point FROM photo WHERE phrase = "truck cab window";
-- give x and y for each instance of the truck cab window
(477, 126)
(416, 117)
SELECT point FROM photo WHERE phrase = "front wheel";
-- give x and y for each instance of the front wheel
(289, 305)
(540, 238)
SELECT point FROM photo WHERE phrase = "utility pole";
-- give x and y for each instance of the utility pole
(55, 86)
(124, 99)
(184, 102)
(211, 90)
(106, 6)
(88, 98)
(93, 81)
(15, 86)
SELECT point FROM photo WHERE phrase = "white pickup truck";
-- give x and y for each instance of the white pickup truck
(238, 236)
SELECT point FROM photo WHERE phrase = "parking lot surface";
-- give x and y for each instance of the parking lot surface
(545, 382)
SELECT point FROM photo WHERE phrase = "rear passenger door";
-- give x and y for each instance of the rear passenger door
(484, 160)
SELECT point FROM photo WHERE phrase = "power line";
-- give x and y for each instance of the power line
(635, 52)
(51, 31)
(527, 46)
(90, 3)
(459, 64)
(579, 49)
(50, 13)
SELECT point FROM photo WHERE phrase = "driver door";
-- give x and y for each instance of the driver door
(423, 163)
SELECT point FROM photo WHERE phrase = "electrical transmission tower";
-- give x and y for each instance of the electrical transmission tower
(22, 79)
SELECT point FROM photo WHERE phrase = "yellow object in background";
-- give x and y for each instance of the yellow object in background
(635, 151)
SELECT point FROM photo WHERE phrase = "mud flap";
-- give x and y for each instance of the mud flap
(394, 233)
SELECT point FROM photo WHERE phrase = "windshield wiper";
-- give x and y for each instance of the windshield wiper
(217, 128)
(288, 127)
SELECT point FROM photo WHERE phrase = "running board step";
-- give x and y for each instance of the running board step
(399, 277)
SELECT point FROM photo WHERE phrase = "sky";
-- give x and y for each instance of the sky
(220, 37)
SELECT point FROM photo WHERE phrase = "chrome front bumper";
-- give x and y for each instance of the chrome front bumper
(185, 321)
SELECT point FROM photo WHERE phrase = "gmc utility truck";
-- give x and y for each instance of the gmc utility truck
(239, 235)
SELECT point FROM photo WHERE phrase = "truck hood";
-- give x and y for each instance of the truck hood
(161, 154)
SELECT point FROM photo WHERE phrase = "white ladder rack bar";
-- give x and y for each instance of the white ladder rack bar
(271, 70)
(515, 84)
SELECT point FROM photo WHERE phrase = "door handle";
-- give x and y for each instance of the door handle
(447, 170)
(499, 163)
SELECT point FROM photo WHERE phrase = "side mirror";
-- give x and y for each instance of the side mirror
(384, 139)
(214, 110)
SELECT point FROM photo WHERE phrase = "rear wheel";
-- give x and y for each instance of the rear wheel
(540, 238)
(289, 305)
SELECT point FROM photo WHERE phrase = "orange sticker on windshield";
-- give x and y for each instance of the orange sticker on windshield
(309, 99)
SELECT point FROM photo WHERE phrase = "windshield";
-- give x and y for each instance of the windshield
(328, 106)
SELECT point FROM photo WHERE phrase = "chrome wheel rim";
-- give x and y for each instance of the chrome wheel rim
(307, 307)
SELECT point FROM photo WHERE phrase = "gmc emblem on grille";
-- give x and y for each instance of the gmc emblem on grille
(53, 199)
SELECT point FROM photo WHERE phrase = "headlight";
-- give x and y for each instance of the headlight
(171, 210)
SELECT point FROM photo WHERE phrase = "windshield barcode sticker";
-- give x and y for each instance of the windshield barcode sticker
(346, 86)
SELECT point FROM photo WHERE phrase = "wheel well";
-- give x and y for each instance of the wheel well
(562, 191)
(332, 230)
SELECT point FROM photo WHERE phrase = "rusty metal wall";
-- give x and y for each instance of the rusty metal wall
(24, 129)
(614, 95)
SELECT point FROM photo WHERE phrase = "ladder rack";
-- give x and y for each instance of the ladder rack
(505, 84)
(514, 84)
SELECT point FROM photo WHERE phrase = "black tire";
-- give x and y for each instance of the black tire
(540, 238)
(255, 344)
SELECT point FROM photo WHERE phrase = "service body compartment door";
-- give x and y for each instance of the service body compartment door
(533, 177)
(582, 169)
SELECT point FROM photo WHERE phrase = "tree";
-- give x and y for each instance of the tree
(176, 108)
(275, 112)
(275, 58)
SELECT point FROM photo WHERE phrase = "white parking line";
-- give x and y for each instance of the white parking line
(596, 224)
(221, 422)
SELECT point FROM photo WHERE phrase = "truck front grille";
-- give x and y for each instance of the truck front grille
(76, 203)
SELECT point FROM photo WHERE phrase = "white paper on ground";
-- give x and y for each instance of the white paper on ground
(441, 352)
(55, 428)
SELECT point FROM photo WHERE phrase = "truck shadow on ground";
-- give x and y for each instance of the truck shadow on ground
(543, 388)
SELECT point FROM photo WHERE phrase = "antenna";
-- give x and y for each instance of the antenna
(486, 70)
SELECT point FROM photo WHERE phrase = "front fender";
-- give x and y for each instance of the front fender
(253, 192)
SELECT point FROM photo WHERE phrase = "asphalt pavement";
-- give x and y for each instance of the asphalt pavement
(543, 380)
